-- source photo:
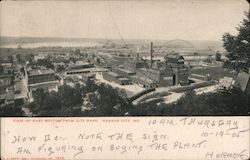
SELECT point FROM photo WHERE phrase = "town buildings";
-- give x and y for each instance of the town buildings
(13, 90)
(153, 73)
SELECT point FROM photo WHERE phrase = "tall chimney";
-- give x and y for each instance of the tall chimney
(151, 54)
(138, 54)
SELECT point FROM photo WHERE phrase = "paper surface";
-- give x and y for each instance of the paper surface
(125, 138)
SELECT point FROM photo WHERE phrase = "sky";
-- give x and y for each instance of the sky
(164, 20)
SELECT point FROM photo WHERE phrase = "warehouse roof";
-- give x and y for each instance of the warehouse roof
(174, 56)
(143, 79)
(125, 70)
(40, 72)
(88, 70)
(113, 74)
(124, 79)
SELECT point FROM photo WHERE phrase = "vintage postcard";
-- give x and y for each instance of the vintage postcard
(125, 80)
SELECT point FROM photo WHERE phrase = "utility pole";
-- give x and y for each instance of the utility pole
(248, 5)
(151, 55)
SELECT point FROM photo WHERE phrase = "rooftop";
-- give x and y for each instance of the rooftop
(124, 79)
(59, 63)
(113, 74)
(147, 80)
(19, 86)
(40, 72)
(174, 56)
(6, 64)
(125, 70)
(88, 70)
(150, 70)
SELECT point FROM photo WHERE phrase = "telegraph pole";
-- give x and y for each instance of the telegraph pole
(151, 55)
(248, 5)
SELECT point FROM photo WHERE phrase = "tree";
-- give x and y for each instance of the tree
(45, 62)
(238, 47)
(34, 108)
(60, 68)
(108, 101)
(51, 105)
(10, 110)
(232, 101)
(38, 95)
(70, 96)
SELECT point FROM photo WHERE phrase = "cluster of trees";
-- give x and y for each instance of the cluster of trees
(10, 110)
(106, 101)
(238, 46)
(225, 101)
(61, 103)
(109, 102)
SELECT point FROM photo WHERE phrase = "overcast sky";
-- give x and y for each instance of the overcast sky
(172, 19)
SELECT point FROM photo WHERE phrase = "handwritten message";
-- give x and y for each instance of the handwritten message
(125, 138)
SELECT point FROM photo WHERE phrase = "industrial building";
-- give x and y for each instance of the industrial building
(135, 64)
(144, 81)
(172, 71)
(179, 69)
(84, 71)
(81, 65)
(42, 78)
(40, 75)
(124, 72)
(114, 77)
(161, 77)
(83, 68)
(206, 77)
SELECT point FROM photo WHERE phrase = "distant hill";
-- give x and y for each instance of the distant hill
(210, 45)
(197, 44)
(23, 40)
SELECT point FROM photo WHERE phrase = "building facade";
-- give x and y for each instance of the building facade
(179, 69)
(41, 75)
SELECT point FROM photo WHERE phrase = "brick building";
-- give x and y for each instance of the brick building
(40, 75)
(179, 69)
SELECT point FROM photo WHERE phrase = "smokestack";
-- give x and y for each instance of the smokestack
(151, 54)
(138, 54)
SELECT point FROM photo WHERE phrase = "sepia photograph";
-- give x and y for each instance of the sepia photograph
(125, 79)
(124, 58)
